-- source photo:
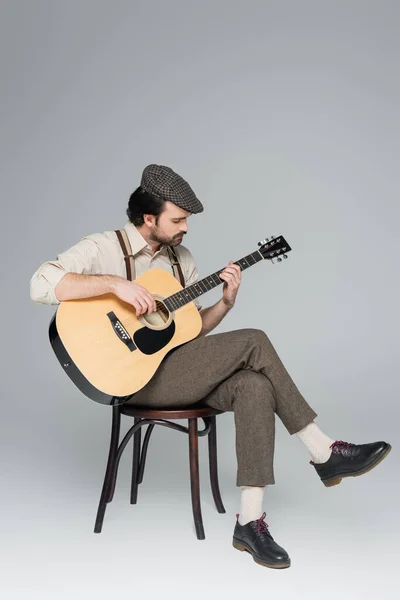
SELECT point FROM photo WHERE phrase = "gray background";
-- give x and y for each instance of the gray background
(283, 116)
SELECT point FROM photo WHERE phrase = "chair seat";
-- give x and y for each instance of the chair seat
(188, 412)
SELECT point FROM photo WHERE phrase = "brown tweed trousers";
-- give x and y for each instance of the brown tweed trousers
(237, 371)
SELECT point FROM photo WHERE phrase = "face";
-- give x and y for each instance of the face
(171, 226)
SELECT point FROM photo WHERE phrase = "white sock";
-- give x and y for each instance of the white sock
(250, 503)
(316, 442)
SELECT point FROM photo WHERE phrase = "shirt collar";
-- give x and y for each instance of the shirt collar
(137, 241)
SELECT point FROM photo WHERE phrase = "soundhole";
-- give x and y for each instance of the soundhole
(159, 317)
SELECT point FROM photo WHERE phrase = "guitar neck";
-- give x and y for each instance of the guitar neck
(208, 283)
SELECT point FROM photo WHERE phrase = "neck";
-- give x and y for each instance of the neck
(145, 233)
(207, 283)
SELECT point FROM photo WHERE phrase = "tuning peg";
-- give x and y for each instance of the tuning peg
(262, 242)
(285, 256)
(279, 259)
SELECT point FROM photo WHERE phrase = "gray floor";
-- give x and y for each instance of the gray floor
(342, 541)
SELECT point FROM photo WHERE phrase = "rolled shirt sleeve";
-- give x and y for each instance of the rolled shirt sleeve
(82, 258)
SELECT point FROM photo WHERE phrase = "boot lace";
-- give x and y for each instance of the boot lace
(341, 447)
(262, 526)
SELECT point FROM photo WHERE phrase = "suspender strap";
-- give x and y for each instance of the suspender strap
(130, 262)
(175, 265)
(128, 256)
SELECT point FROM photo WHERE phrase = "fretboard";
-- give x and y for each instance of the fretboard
(208, 283)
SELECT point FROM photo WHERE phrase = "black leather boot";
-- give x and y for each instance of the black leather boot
(350, 460)
(255, 538)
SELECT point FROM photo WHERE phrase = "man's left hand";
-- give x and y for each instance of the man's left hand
(232, 276)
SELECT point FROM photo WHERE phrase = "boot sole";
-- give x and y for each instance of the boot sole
(243, 547)
(336, 480)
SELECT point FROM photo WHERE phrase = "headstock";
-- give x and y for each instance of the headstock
(274, 248)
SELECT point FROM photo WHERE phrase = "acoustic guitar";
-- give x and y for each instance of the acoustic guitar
(110, 353)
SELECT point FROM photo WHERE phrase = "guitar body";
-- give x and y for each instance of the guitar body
(108, 351)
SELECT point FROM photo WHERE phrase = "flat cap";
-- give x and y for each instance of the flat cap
(168, 185)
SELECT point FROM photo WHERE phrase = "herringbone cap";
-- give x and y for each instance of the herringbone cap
(163, 182)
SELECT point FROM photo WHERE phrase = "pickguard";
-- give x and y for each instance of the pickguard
(150, 341)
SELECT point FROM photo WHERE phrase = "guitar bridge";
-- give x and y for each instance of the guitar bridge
(120, 331)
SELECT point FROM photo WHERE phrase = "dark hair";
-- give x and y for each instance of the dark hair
(143, 203)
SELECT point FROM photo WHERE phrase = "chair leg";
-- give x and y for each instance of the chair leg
(137, 438)
(144, 452)
(195, 478)
(108, 487)
(212, 456)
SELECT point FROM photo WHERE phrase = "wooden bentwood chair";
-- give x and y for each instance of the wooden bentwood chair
(151, 417)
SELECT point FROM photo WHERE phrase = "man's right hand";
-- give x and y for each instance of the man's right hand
(135, 294)
(74, 286)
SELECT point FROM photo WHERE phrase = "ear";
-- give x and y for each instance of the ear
(149, 220)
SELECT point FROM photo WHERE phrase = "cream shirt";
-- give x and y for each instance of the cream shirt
(101, 254)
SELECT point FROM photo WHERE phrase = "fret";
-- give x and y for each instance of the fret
(174, 302)
(210, 281)
(168, 304)
(192, 292)
(200, 283)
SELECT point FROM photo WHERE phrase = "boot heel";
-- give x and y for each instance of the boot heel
(238, 545)
(333, 482)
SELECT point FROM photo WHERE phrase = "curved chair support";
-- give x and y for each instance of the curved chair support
(207, 428)
(132, 432)
(143, 453)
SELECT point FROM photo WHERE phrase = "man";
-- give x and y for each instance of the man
(243, 371)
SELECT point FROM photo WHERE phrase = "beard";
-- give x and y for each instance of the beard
(157, 236)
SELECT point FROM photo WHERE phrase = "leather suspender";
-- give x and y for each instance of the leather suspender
(130, 262)
(128, 256)
(175, 265)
